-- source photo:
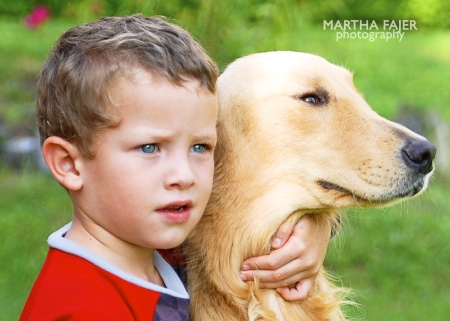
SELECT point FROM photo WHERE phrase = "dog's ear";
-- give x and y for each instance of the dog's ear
(63, 160)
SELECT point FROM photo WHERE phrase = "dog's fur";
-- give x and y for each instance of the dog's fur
(295, 138)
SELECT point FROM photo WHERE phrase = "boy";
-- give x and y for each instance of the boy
(127, 117)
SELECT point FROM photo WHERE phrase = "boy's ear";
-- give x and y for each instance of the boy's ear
(63, 160)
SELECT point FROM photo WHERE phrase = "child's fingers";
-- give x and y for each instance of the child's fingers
(299, 292)
(282, 235)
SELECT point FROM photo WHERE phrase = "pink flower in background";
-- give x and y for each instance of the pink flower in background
(37, 17)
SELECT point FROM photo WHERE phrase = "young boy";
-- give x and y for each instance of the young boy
(127, 115)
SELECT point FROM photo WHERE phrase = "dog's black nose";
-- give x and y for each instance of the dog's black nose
(419, 154)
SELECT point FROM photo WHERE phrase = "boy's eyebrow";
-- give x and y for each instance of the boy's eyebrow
(207, 134)
(205, 137)
(163, 135)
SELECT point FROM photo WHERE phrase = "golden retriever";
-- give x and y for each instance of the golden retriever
(295, 138)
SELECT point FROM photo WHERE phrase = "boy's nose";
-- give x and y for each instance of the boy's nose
(180, 174)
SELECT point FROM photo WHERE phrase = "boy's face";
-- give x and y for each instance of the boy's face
(151, 177)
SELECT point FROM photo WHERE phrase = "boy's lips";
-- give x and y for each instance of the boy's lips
(176, 212)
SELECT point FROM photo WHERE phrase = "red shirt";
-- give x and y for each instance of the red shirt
(70, 287)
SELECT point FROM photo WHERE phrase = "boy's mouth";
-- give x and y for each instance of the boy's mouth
(176, 212)
(174, 208)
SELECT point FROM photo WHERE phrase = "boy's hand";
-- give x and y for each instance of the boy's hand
(295, 262)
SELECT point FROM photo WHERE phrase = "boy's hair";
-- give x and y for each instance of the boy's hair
(73, 88)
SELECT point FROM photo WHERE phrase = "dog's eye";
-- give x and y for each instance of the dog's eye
(311, 99)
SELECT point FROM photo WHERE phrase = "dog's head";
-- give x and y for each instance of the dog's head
(295, 119)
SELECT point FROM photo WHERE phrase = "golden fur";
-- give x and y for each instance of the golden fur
(295, 138)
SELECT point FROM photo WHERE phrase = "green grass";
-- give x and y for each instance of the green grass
(22, 53)
(32, 206)
(397, 259)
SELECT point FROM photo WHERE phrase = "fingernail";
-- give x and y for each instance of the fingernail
(245, 267)
(243, 277)
(277, 242)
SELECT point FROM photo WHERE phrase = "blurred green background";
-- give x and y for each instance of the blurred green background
(396, 259)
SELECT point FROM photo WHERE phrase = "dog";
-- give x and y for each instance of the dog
(295, 138)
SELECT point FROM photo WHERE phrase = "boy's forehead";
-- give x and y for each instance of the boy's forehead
(127, 86)
(128, 73)
(135, 75)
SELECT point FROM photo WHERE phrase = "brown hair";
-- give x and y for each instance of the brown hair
(72, 91)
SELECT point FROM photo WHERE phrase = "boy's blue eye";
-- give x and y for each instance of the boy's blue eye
(199, 148)
(149, 148)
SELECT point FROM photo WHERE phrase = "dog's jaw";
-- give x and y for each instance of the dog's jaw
(404, 191)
